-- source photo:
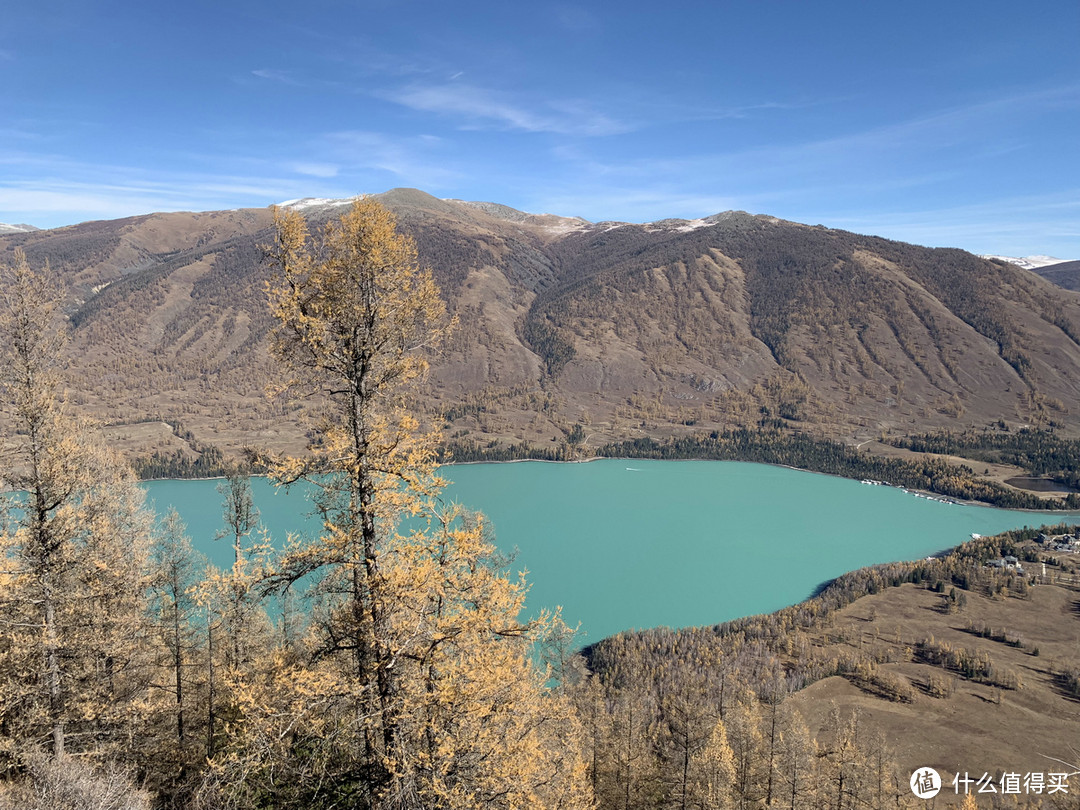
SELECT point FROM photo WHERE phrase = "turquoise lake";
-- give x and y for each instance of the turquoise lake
(634, 544)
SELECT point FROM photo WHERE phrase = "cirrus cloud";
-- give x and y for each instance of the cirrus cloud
(478, 107)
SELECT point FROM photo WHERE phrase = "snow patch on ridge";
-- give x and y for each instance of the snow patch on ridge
(315, 202)
(553, 223)
(564, 225)
(680, 225)
(693, 225)
(1026, 262)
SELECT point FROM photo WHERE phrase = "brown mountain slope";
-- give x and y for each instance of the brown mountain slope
(1064, 274)
(627, 329)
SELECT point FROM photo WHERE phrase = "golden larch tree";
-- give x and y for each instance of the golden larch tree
(415, 684)
(716, 764)
(75, 656)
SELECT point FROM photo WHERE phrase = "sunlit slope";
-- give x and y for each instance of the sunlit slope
(666, 327)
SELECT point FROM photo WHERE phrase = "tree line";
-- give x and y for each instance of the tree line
(772, 445)
(1041, 452)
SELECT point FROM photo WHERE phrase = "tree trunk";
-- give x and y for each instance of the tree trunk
(178, 664)
(52, 669)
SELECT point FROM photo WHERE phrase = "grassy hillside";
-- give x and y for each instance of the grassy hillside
(950, 663)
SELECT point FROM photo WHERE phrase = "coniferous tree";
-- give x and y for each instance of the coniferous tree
(688, 726)
(176, 570)
(413, 684)
(796, 763)
(235, 590)
(744, 734)
(77, 650)
(715, 762)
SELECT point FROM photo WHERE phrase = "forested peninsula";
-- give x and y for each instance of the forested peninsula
(1040, 452)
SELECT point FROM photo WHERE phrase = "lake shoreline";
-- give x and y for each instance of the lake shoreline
(925, 493)
(771, 445)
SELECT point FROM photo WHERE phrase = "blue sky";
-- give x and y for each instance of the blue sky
(947, 123)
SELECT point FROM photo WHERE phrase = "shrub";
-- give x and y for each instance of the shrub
(68, 784)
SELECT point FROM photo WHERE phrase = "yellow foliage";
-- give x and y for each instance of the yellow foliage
(717, 763)
(76, 654)
(415, 683)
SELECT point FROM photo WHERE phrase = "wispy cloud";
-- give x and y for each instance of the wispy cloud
(477, 107)
(49, 189)
(672, 112)
(52, 189)
(71, 192)
(944, 128)
(415, 160)
(12, 133)
(316, 169)
(118, 199)
(1009, 225)
(888, 157)
(940, 159)
(282, 76)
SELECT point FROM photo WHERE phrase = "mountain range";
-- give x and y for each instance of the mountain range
(613, 330)
(1064, 274)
